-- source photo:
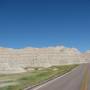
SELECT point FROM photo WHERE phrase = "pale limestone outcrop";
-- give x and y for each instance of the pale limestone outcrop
(18, 59)
(86, 56)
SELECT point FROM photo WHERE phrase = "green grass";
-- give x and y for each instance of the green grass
(35, 77)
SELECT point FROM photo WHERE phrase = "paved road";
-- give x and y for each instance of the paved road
(78, 79)
(89, 77)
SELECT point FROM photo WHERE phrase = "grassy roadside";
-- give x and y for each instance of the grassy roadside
(35, 77)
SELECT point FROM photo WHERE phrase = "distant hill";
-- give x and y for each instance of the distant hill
(17, 60)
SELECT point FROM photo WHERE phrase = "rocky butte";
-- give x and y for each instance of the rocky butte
(17, 60)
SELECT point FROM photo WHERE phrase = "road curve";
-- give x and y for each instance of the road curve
(78, 79)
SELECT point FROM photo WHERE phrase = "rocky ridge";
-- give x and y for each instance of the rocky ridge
(16, 60)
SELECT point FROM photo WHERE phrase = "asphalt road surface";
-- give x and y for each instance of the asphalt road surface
(77, 79)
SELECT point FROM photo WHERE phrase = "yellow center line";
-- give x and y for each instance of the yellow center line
(85, 80)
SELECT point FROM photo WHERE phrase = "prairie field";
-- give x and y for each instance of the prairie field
(37, 76)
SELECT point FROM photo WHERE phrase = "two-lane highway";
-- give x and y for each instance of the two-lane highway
(77, 79)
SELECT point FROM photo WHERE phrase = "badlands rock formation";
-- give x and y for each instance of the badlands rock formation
(86, 56)
(16, 60)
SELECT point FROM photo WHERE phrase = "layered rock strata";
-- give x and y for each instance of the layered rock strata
(16, 60)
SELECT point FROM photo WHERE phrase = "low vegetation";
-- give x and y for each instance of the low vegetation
(35, 77)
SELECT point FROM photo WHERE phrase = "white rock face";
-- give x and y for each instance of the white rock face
(15, 60)
(86, 56)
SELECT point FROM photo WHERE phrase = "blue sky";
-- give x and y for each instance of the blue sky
(43, 23)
